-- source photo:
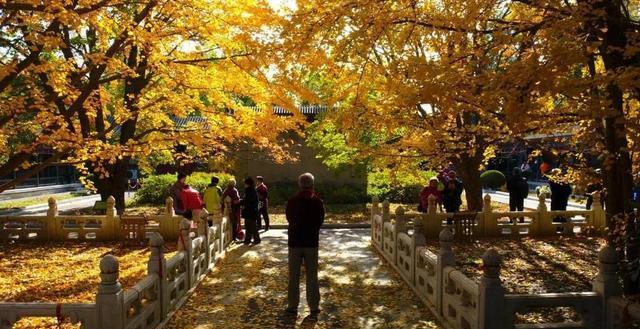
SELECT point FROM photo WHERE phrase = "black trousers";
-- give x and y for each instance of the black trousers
(251, 230)
(263, 212)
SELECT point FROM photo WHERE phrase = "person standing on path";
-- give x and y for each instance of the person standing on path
(560, 192)
(234, 213)
(305, 214)
(263, 199)
(176, 193)
(213, 199)
(250, 212)
(518, 189)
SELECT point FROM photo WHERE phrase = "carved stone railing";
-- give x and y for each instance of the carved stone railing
(462, 303)
(151, 300)
(107, 227)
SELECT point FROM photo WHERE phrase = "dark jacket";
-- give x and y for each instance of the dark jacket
(452, 199)
(305, 214)
(517, 187)
(560, 193)
(250, 203)
(263, 195)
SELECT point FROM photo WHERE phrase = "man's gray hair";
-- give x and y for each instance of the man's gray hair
(305, 181)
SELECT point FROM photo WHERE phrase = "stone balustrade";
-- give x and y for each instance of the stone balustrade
(462, 303)
(539, 222)
(150, 301)
(108, 227)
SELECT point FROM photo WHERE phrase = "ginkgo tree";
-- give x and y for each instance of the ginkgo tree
(103, 82)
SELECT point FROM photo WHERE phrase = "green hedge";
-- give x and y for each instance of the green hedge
(492, 179)
(156, 188)
(331, 193)
(402, 188)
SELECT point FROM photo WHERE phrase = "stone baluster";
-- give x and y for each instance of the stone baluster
(401, 221)
(607, 282)
(375, 209)
(169, 228)
(157, 264)
(168, 207)
(419, 237)
(113, 220)
(110, 299)
(185, 244)
(385, 212)
(544, 226)
(487, 222)
(598, 216)
(432, 224)
(54, 230)
(491, 293)
(445, 258)
(432, 204)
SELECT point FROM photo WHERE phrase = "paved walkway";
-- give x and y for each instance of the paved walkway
(531, 202)
(358, 290)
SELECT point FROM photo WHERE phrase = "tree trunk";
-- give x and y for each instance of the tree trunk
(469, 171)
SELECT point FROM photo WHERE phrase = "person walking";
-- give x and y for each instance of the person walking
(263, 203)
(250, 212)
(176, 193)
(213, 199)
(305, 214)
(234, 212)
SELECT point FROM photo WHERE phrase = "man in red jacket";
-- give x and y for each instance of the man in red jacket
(190, 198)
(263, 202)
(305, 214)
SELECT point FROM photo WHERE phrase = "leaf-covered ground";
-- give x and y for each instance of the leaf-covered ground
(65, 272)
(357, 289)
(535, 265)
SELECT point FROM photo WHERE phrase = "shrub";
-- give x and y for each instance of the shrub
(156, 188)
(404, 188)
(492, 179)
(331, 193)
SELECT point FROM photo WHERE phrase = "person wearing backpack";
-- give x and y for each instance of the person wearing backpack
(213, 199)
(518, 189)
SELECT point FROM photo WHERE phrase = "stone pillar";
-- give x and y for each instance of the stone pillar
(432, 224)
(399, 227)
(157, 264)
(169, 228)
(599, 218)
(113, 220)
(184, 244)
(486, 220)
(54, 230)
(543, 225)
(385, 218)
(110, 298)
(375, 209)
(419, 238)
(607, 282)
(491, 293)
(445, 258)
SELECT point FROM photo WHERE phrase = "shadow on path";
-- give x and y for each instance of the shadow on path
(248, 290)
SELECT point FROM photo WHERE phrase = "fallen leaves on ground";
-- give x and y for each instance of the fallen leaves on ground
(535, 266)
(358, 290)
(63, 272)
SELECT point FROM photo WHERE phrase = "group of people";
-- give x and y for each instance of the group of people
(446, 188)
(304, 212)
(252, 206)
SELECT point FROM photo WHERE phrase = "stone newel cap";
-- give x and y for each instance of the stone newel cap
(446, 235)
(109, 264)
(487, 198)
(608, 255)
(156, 240)
(52, 200)
(168, 200)
(491, 258)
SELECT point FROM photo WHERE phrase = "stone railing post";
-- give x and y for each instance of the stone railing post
(157, 264)
(113, 220)
(375, 209)
(491, 293)
(599, 218)
(445, 258)
(385, 218)
(185, 244)
(432, 205)
(419, 237)
(544, 224)
(432, 225)
(607, 283)
(399, 227)
(487, 222)
(110, 299)
(54, 232)
(169, 228)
